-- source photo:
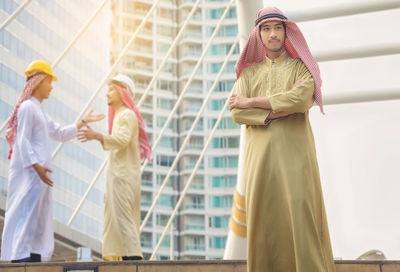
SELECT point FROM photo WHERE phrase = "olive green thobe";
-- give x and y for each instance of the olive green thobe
(287, 229)
(122, 203)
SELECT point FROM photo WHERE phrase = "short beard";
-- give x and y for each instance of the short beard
(276, 50)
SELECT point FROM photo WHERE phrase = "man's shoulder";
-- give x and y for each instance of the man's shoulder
(128, 114)
(297, 62)
(252, 69)
(27, 105)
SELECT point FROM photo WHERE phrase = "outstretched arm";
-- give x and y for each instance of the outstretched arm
(66, 133)
(89, 134)
(120, 138)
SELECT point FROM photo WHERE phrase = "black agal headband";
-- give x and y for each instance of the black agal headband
(270, 15)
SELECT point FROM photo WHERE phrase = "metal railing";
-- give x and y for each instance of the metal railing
(104, 163)
(14, 14)
(189, 134)
(71, 43)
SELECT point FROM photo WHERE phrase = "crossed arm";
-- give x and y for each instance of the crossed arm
(259, 110)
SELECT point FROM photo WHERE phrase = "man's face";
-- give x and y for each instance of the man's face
(273, 35)
(113, 96)
(44, 88)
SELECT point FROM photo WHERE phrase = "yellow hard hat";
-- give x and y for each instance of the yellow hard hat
(40, 66)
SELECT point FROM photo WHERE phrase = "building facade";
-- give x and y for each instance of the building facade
(45, 28)
(201, 227)
(42, 31)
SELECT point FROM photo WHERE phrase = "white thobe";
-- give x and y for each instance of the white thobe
(28, 224)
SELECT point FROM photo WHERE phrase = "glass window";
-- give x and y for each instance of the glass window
(232, 162)
(163, 160)
(165, 104)
(217, 242)
(165, 242)
(233, 142)
(221, 201)
(145, 199)
(161, 121)
(216, 105)
(216, 162)
(217, 182)
(162, 220)
(217, 142)
(167, 142)
(146, 240)
(160, 180)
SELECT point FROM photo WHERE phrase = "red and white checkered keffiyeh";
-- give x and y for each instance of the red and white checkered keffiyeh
(144, 143)
(12, 120)
(295, 45)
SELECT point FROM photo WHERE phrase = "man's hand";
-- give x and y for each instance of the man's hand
(238, 101)
(277, 115)
(89, 117)
(89, 134)
(42, 172)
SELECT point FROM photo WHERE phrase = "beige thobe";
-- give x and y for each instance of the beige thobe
(122, 203)
(287, 228)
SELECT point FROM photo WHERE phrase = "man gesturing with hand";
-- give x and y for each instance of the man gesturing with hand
(28, 224)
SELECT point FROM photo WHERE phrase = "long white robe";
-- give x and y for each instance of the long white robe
(28, 225)
(121, 234)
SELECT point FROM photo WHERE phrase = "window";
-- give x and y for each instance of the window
(145, 240)
(222, 181)
(192, 105)
(145, 198)
(218, 143)
(221, 201)
(219, 222)
(194, 222)
(195, 202)
(217, 13)
(225, 31)
(160, 180)
(217, 162)
(161, 121)
(223, 49)
(222, 86)
(195, 243)
(165, 242)
(232, 162)
(217, 242)
(165, 200)
(215, 67)
(163, 160)
(233, 142)
(222, 162)
(216, 104)
(162, 220)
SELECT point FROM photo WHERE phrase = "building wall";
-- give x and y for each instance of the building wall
(42, 31)
(201, 227)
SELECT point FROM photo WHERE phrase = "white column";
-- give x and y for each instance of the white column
(246, 11)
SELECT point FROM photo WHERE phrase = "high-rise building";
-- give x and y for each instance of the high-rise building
(201, 227)
(44, 28)
(42, 31)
